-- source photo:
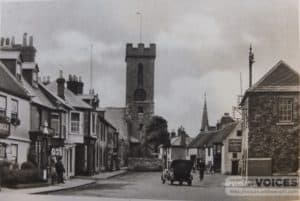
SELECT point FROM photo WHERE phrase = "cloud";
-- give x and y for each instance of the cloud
(201, 46)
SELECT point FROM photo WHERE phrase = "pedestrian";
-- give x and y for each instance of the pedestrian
(53, 171)
(60, 170)
(211, 169)
(201, 167)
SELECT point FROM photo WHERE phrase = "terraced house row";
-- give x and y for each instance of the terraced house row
(40, 120)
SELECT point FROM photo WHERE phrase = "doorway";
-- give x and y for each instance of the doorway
(234, 167)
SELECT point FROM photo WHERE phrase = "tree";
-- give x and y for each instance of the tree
(156, 134)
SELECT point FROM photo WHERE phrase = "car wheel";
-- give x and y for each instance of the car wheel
(163, 181)
(180, 183)
(171, 182)
(189, 183)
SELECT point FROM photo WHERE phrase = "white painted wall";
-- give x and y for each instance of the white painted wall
(19, 135)
(227, 158)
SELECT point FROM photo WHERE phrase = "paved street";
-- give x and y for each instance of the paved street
(148, 186)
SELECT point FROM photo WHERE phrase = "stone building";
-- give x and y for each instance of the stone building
(139, 92)
(271, 123)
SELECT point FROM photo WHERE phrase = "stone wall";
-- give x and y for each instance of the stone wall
(144, 164)
(267, 138)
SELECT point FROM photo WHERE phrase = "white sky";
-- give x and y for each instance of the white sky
(201, 46)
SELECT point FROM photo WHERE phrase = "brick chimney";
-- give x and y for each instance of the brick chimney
(75, 84)
(61, 85)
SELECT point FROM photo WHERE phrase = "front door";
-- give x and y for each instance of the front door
(234, 167)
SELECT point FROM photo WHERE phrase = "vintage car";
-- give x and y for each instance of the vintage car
(180, 170)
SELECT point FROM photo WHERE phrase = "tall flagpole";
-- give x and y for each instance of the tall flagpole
(141, 25)
(91, 68)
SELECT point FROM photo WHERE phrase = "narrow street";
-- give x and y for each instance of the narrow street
(148, 186)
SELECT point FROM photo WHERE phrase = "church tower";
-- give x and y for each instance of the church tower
(139, 92)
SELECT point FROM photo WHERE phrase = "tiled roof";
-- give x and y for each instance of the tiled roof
(37, 96)
(70, 97)
(212, 137)
(221, 134)
(200, 140)
(176, 141)
(9, 84)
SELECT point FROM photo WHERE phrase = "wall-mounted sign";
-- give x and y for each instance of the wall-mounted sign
(235, 145)
(56, 152)
(4, 129)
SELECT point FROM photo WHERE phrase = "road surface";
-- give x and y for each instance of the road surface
(148, 186)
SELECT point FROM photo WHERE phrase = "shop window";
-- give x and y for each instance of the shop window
(285, 106)
(3, 106)
(75, 122)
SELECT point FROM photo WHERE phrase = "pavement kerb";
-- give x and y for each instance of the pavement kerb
(63, 189)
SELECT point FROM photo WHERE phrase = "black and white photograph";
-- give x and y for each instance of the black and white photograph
(132, 100)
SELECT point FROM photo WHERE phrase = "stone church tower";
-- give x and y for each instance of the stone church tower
(139, 93)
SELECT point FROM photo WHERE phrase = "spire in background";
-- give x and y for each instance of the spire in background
(205, 124)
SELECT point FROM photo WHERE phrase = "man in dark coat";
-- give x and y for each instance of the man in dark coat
(60, 170)
(201, 167)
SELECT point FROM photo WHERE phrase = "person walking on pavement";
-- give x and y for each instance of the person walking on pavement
(60, 170)
(201, 167)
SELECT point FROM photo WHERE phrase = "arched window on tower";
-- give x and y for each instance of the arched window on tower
(140, 76)
(140, 93)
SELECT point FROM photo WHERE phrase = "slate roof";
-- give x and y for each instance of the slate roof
(9, 83)
(70, 98)
(213, 137)
(37, 96)
(280, 78)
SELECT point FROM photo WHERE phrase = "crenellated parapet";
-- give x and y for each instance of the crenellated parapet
(140, 50)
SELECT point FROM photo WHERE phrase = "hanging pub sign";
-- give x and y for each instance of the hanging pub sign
(4, 129)
(235, 145)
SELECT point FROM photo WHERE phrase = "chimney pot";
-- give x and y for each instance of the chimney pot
(31, 41)
(12, 40)
(2, 41)
(7, 42)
